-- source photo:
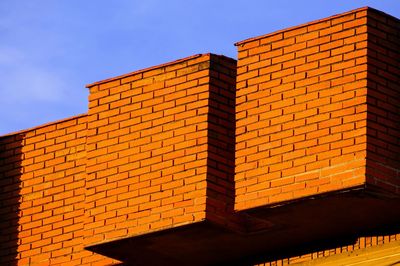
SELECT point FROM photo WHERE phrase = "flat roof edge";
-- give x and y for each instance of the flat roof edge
(305, 24)
(147, 69)
(44, 125)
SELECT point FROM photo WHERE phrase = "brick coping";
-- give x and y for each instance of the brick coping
(44, 125)
(155, 67)
(307, 24)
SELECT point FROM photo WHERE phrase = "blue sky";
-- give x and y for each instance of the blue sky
(50, 49)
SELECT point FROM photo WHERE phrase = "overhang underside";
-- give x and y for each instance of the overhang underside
(269, 233)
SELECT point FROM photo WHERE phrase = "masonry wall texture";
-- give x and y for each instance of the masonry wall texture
(301, 111)
(43, 195)
(307, 120)
(158, 148)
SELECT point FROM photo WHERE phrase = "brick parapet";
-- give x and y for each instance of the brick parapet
(301, 111)
(383, 164)
(150, 147)
(43, 176)
(315, 111)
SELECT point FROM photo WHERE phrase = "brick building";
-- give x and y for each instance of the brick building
(288, 155)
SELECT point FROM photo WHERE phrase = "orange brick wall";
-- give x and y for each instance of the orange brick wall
(315, 110)
(10, 165)
(221, 128)
(43, 200)
(301, 111)
(383, 167)
(148, 144)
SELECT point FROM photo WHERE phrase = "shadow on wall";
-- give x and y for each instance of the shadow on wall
(10, 184)
(320, 249)
(221, 139)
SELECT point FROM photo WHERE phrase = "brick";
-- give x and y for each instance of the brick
(259, 50)
(152, 153)
(317, 56)
(283, 58)
(323, 113)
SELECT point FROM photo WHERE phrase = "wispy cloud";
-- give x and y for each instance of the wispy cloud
(36, 83)
(23, 81)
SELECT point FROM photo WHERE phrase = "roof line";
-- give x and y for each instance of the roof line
(303, 25)
(146, 69)
(43, 125)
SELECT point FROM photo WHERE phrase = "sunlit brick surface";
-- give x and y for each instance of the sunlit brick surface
(177, 150)
(150, 143)
(301, 109)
